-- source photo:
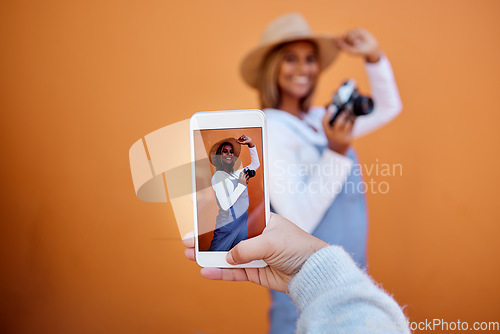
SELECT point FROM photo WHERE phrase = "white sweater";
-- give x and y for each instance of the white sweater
(303, 182)
(225, 191)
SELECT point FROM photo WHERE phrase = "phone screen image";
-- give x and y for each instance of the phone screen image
(229, 186)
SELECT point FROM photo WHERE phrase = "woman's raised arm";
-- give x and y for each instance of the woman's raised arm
(360, 42)
(254, 155)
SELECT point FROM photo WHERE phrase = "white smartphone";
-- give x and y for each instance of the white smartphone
(230, 186)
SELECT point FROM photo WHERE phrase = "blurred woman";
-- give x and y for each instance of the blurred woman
(315, 180)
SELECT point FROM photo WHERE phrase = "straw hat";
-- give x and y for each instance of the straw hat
(232, 141)
(287, 28)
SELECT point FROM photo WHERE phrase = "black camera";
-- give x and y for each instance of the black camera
(347, 98)
(249, 172)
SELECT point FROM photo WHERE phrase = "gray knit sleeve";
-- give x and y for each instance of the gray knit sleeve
(334, 296)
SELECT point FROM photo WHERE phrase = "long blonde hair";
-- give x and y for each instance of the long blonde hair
(269, 91)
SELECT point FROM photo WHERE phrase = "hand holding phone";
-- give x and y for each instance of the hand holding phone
(283, 245)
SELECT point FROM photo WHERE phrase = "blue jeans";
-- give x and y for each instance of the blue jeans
(229, 235)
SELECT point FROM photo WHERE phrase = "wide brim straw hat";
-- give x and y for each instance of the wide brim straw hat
(285, 29)
(232, 141)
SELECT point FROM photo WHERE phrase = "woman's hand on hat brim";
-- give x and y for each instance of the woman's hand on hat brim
(245, 140)
(359, 42)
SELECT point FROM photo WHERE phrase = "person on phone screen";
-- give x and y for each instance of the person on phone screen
(230, 187)
(314, 178)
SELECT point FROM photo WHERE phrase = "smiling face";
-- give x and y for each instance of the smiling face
(227, 154)
(298, 70)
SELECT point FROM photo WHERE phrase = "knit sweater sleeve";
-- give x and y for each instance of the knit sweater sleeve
(334, 296)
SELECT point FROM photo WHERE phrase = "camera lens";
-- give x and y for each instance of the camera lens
(363, 105)
(249, 172)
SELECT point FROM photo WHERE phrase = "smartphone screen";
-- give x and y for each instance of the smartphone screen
(229, 186)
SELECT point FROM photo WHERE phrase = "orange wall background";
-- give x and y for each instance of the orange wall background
(80, 81)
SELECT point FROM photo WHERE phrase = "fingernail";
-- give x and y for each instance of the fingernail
(188, 235)
(229, 258)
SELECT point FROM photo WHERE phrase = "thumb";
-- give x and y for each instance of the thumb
(249, 250)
